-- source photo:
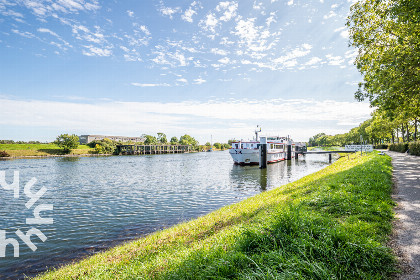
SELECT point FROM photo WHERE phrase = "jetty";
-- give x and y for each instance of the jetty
(153, 149)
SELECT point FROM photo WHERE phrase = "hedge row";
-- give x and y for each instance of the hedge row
(381, 146)
(413, 148)
(398, 147)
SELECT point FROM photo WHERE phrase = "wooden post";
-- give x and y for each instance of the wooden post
(329, 158)
(263, 155)
(263, 152)
(289, 151)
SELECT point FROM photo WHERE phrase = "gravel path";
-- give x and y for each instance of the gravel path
(407, 178)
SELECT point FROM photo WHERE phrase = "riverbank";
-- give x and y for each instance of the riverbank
(331, 224)
(42, 150)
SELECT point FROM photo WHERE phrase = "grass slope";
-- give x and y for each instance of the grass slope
(332, 224)
(18, 150)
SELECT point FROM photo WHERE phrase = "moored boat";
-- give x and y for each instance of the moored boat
(247, 152)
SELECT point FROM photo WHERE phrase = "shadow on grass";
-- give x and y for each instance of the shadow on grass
(53, 151)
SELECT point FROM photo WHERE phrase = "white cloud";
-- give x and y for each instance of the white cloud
(210, 22)
(225, 60)
(168, 11)
(130, 13)
(314, 60)
(229, 10)
(116, 117)
(150, 85)
(46, 30)
(289, 60)
(95, 51)
(290, 2)
(330, 15)
(270, 19)
(334, 60)
(25, 34)
(182, 80)
(43, 9)
(199, 81)
(190, 12)
(219, 51)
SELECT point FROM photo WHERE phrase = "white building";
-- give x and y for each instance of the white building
(85, 139)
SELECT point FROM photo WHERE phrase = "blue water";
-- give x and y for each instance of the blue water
(100, 202)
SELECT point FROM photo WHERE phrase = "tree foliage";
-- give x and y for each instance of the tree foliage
(162, 138)
(377, 130)
(188, 140)
(67, 142)
(150, 140)
(387, 35)
(174, 140)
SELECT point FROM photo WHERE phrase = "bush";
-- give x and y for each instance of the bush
(381, 146)
(67, 142)
(105, 146)
(4, 154)
(399, 147)
(414, 148)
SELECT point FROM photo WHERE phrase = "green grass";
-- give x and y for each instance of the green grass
(333, 224)
(18, 150)
(332, 148)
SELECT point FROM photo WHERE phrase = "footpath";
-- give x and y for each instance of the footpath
(407, 179)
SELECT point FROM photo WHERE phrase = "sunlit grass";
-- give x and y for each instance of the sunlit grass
(332, 224)
(19, 150)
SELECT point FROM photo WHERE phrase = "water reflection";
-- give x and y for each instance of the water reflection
(102, 201)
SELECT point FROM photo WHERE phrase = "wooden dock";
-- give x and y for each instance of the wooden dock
(153, 149)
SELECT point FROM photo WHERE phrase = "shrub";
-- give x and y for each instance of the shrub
(414, 148)
(381, 146)
(399, 147)
(4, 154)
(67, 142)
(105, 146)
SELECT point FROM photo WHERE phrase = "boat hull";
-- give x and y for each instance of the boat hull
(252, 156)
(245, 156)
(275, 157)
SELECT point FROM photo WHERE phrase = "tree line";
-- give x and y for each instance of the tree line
(377, 131)
(106, 146)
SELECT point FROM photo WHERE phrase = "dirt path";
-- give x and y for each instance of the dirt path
(407, 178)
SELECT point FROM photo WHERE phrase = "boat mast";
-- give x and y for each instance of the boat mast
(256, 133)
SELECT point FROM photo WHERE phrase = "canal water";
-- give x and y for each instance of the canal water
(99, 202)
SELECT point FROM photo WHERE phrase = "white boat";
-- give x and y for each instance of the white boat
(247, 152)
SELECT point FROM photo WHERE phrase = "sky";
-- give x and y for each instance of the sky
(203, 68)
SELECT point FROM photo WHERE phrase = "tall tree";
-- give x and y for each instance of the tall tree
(387, 35)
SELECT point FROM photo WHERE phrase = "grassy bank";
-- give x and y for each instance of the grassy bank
(21, 150)
(332, 148)
(332, 224)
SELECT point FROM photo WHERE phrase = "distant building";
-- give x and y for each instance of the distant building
(85, 139)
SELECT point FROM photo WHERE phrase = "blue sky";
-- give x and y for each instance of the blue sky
(198, 67)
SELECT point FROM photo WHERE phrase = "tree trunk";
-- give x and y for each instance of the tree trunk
(402, 132)
(392, 135)
(415, 129)
(408, 133)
